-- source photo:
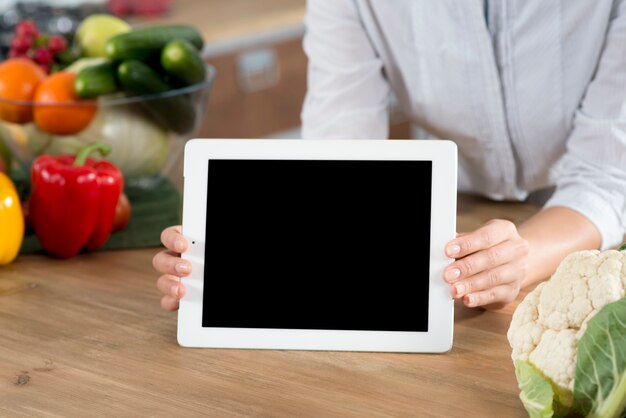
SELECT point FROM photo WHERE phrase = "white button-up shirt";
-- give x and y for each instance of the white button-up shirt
(533, 92)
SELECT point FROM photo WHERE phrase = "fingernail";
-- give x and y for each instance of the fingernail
(174, 291)
(179, 246)
(453, 274)
(471, 300)
(453, 249)
(182, 268)
(460, 289)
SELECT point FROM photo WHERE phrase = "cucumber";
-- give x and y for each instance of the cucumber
(140, 43)
(138, 78)
(175, 113)
(82, 63)
(182, 61)
(96, 80)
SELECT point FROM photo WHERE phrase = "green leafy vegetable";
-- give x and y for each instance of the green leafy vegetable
(537, 392)
(600, 382)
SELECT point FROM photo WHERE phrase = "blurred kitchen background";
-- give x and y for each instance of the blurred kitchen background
(256, 47)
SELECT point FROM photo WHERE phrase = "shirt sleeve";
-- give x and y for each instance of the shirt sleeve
(347, 95)
(591, 176)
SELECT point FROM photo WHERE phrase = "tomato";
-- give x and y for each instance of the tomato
(51, 115)
(19, 78)
(122, 213)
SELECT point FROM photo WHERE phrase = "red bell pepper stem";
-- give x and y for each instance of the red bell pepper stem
(85, 152)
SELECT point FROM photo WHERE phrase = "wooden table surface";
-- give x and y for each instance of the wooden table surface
(86, 337)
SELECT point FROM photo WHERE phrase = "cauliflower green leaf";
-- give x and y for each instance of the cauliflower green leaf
(600, 382)
(537, 392)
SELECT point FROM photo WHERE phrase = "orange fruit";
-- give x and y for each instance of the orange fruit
(51, 113)
(19, 78)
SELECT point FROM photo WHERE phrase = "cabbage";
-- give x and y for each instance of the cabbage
(139, 146)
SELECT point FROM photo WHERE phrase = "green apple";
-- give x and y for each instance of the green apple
(94, 31)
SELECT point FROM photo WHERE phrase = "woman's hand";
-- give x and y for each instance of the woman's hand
(491, 264)
(169, 263)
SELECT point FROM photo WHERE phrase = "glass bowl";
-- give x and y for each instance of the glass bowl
(146, 133)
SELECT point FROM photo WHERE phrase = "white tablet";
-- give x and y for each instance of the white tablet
(318, 245)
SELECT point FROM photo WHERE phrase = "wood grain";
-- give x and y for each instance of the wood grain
(86, 337)
(220, 20)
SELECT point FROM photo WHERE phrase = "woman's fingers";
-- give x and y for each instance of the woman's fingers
(498, 276)
(492, 233)
(167, 262)
(490, 264)
(173, 239)
(173, 290)
(172, 266)
(504, 293)
(169, 303)
(486, 259)
(170, 286)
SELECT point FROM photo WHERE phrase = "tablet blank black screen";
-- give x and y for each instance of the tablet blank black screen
(317, 244)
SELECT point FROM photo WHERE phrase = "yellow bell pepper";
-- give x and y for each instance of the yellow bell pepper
(11, 221)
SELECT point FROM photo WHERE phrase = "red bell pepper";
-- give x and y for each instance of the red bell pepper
(73, 200)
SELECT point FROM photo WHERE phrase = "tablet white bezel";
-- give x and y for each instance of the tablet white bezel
(438, 338)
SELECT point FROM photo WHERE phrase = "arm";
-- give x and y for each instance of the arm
(347, 94)
(591, 177)
(588, 209)
(552, 234)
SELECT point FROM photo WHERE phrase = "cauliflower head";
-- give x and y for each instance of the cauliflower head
(548, 324)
